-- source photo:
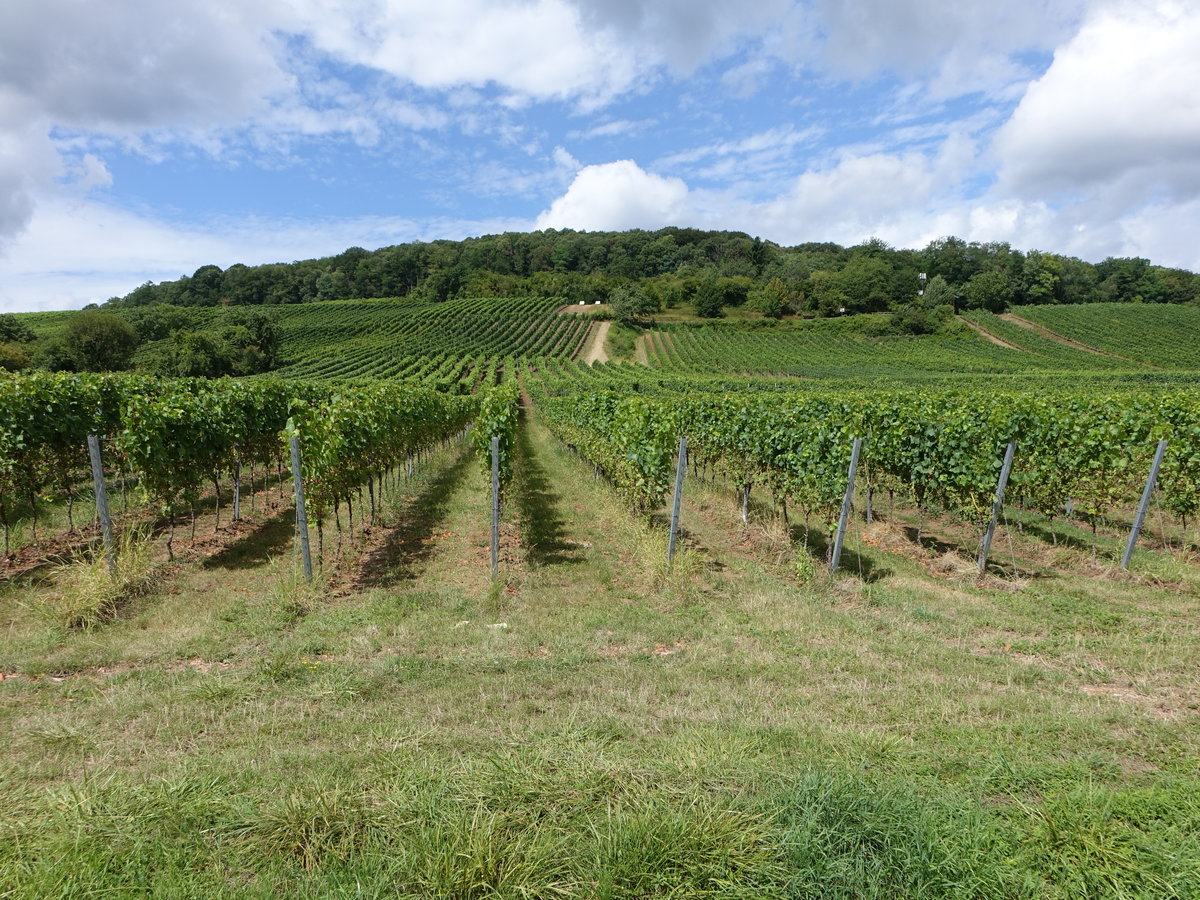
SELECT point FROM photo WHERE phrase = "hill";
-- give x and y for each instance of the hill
(672, 264)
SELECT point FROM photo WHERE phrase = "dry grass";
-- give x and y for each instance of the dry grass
(88, 591)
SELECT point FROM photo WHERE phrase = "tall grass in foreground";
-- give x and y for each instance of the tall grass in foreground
(87, 591)
(531, 826)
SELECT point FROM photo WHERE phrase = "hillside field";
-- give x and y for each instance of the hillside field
(595, 722)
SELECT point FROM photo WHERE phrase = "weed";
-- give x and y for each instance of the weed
(292, 597)
(88, 591)
(803, 568)
(316, 825)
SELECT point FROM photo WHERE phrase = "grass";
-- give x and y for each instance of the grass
(600, 727)
(621, 342)
(89, 589)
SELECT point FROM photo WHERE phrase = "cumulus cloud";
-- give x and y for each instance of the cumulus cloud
(142, 63)
(907, 199)
(618, 195)
(860, 194)
(539, 49)
(854, 198)
(1118, 107)
(194, 65)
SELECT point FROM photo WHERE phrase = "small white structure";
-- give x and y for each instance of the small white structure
(582, 302)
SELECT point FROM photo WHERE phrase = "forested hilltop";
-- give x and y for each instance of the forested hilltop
(673, 266)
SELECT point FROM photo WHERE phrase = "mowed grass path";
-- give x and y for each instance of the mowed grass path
(594, 726)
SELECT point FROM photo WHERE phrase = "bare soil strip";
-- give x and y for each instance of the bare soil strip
(988, 336)
(1067, 341)
(595, 351)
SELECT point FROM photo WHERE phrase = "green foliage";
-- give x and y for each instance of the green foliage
(13, 330)
(866, 282)
(911, 322)
(945, 446)
(194, 354)
(95, 341)
(1161, 335)
(774, 299)
(824, 294)
(803, 568)
(709, 299)
(938, 292)
(246, 343)
(51, 356)
(621, 343)
(438, 344)
(14, 357)
(352, 436)
(159, 320)
(630, 304)
(88, 592)
(668, 264)
(179, 434)
(497, 417)
(630, 439)
(990, 290)
(44, 423)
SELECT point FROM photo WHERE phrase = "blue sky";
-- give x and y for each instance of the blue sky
(140, 140)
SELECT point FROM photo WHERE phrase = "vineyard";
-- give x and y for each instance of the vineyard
(822, 350)
(397, 618)
(772, 407)
(1159, 335)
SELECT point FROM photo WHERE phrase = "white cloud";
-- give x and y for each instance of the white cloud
(537, 49)
(862, 194)
(746, 79)
(1101, 156)
(27, 161)
(753, 155)
(615, 196)
(969, 45)
(498, 180)
(907, 199)
(615, 128)
(849, 201)
(1118, 107)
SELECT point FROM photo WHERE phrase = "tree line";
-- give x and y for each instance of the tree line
(675, 266)
(244, 342)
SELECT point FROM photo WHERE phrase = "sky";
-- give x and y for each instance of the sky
(140, 140)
